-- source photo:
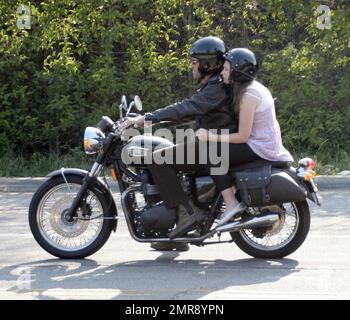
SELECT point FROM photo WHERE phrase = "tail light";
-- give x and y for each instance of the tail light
(307, 163)
(305, 170)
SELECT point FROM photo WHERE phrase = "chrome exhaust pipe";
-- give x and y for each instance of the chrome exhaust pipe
(253, 222)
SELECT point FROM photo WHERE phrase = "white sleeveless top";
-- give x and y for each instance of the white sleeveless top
(265, 139)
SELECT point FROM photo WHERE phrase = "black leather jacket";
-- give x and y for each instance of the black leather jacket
(210, 107)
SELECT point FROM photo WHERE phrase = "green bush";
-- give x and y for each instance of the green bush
(80, 56)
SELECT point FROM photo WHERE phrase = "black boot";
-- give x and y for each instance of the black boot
(186, 221)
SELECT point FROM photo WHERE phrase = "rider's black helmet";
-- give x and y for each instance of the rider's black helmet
(209, 51)
(244, 65)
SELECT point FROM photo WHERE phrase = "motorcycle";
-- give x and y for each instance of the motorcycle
(73, 212)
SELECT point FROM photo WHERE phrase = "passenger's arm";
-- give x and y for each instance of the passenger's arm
(246, 117)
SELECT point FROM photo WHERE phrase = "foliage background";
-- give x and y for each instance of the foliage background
(80, 56)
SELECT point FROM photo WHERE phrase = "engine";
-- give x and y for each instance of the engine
(152, 218)
(155, 221)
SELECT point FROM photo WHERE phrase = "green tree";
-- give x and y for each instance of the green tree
(80, 56)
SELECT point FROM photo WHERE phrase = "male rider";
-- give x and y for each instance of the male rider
(210, 107)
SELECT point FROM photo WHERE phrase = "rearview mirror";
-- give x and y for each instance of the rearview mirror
(124, 103)
(138, 103)
(123, 106)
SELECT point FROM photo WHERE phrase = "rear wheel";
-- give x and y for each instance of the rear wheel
(55, 232)
(282, 238)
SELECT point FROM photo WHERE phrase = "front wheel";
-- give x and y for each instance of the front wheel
(68, 238)
(280, 239)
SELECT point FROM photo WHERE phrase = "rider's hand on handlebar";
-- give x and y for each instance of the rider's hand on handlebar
(138, 121)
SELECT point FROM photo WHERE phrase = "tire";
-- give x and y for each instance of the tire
(36, 212)
(298, 236)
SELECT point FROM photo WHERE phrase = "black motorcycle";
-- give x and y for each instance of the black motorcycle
(72, 214)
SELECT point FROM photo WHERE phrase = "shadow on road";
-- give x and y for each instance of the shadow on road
(163, 278)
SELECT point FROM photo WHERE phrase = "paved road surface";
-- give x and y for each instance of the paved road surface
(125, 269)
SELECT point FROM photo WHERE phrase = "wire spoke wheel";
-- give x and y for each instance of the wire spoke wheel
(280, 239)
(65, 236)
(58, 230)
(278, 235)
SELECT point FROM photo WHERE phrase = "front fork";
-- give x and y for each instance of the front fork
(89, 179)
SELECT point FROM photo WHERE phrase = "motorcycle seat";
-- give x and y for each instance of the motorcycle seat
(205, 171)
(261, 163)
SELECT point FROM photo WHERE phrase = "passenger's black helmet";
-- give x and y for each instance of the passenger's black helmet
(244, 65)
(209, 51)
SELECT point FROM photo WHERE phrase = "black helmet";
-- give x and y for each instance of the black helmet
(209, 51)
(244, 65)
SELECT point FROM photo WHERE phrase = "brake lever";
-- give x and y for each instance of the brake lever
(132, 115)
(119, 129)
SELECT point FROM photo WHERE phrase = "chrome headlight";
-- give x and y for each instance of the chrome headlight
(93, 140)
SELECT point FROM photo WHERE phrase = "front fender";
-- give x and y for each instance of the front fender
(100, 184)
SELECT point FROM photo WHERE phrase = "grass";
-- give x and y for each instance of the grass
(12, 165)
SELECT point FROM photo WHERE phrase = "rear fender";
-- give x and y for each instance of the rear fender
(310, 193)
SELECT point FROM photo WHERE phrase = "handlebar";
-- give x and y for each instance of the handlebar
(118, 130)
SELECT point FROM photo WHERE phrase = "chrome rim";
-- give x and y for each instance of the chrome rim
(280, 234)
(57, 230)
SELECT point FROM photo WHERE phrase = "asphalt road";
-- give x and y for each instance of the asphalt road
(125, 269)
